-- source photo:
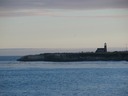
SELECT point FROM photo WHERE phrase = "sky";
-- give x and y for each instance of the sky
(63, 23)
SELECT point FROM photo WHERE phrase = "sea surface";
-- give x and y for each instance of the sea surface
(97, 78)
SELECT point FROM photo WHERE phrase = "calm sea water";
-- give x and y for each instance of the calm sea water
(97, 78)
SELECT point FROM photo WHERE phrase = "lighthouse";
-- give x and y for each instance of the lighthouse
(105, 47)
(102, 50)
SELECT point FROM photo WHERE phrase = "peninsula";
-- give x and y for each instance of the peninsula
(101, 54)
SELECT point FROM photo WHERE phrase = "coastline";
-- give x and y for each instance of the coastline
(70, 57)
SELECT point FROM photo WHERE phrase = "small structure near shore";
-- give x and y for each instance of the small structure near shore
(102, 50)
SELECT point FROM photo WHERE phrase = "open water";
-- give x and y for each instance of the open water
(97, 78)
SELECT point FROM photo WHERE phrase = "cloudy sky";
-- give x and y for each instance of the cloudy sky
(63, 23)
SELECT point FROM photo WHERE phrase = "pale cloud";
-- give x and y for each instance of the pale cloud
(27, 12)
(46, 7)
(63, 4)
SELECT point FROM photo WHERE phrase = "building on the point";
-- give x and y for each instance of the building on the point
(102, 50)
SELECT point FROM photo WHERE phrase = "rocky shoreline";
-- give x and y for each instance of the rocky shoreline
(68, 57)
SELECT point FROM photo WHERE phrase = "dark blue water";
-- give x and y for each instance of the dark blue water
(9, 58)
(64, 82)
(63, 79)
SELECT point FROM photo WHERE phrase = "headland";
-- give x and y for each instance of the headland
(66, 57)
(100, 54)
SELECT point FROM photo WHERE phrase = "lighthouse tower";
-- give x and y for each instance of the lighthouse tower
(105, 47)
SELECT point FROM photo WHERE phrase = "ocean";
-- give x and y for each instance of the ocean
(97, 78)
